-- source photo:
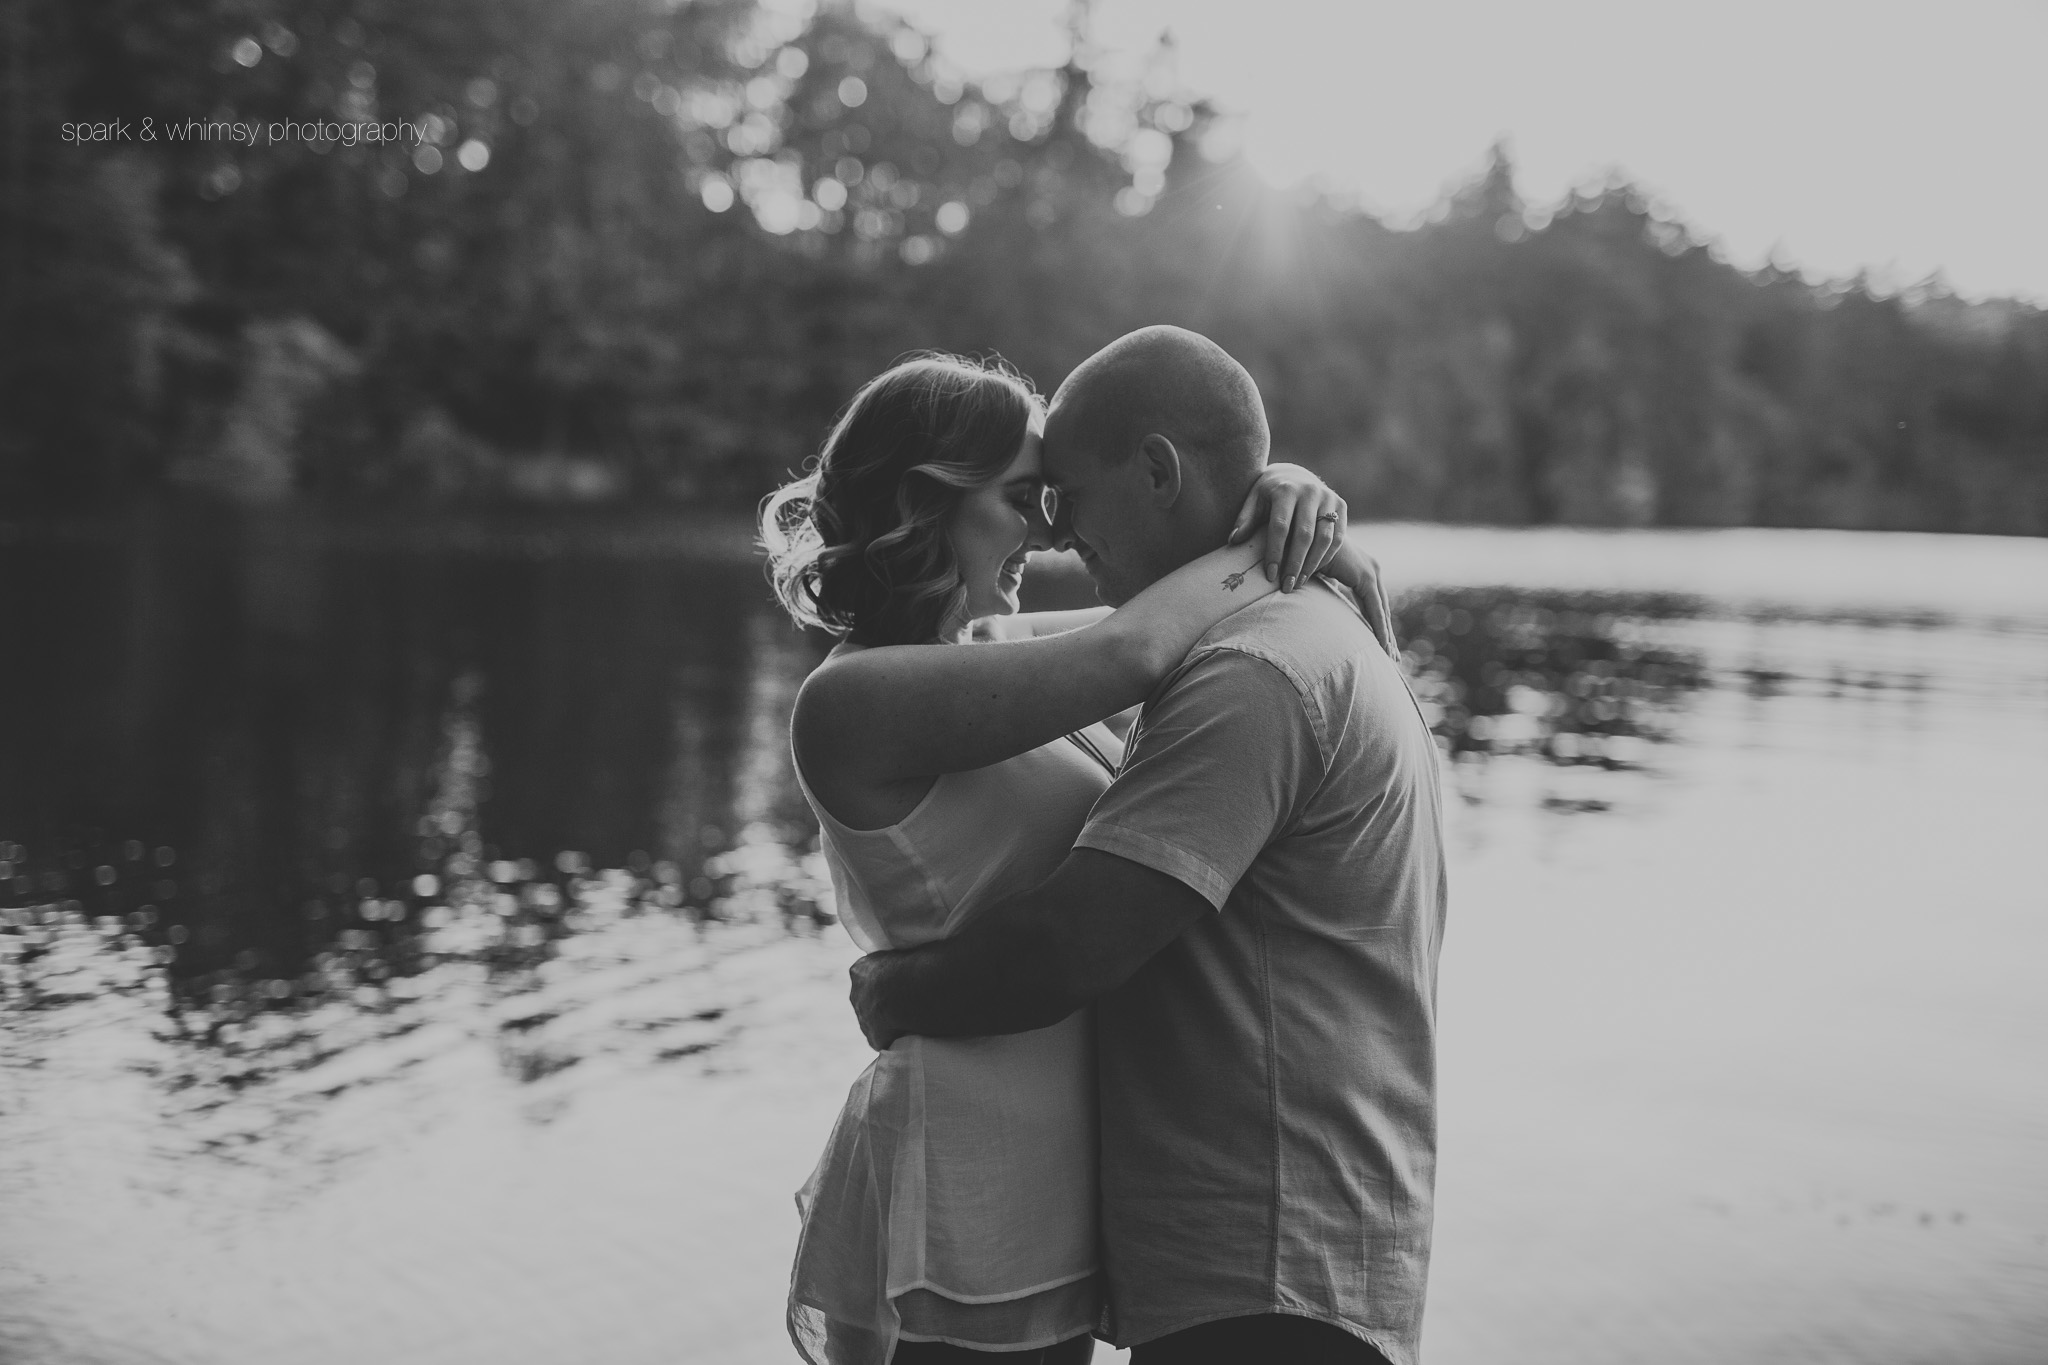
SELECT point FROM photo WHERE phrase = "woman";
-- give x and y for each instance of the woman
(953, 1211)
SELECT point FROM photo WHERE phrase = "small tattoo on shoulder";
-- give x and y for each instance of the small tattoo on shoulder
(1236, 580)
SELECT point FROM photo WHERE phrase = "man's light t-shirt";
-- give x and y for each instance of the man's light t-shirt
(1268, 1083)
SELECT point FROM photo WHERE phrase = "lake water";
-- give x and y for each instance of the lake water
(412, 949)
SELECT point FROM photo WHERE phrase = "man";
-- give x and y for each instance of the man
(1254, 907)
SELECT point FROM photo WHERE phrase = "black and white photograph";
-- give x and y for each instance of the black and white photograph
(917, 682)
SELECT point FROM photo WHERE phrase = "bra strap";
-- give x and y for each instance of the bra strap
(1094, 751)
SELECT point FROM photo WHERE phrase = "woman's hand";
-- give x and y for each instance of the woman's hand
(1303, 518)
(1360, 572)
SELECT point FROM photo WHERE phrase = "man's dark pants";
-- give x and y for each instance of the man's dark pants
(1274, 1337)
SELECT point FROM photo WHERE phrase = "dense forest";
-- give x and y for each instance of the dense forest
(373, 251)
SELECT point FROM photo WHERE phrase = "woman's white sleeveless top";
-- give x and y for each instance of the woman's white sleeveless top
(955, 1200)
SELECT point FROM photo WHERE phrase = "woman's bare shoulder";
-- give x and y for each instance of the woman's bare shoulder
(827, 713)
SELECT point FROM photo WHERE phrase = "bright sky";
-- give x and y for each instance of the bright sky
(1900, 135)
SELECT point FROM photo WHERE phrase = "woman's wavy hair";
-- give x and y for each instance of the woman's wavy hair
(858, 545)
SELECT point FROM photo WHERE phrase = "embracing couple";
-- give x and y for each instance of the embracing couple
(1156, 1015)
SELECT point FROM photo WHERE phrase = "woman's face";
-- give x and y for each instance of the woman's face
(994, 527)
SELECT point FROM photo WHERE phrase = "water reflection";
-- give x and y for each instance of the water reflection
(1572, 678)
(297, 802)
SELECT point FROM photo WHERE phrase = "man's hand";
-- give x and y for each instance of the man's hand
(1030, 960)
(867, 996)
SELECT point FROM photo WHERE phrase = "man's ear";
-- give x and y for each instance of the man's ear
(1161, 468)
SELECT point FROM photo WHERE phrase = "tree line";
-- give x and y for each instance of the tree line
(625, 249)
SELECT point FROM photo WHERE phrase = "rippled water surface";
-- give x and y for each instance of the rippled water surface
(412, 948)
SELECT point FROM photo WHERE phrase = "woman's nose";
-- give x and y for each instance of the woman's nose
(1048, 534)
(1038, 534)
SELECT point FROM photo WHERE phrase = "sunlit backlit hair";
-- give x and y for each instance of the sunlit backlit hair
(858, 545)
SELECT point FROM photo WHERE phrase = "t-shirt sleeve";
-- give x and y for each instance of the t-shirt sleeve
(1223, 763)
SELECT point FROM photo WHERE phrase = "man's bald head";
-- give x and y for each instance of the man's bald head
(1153, 443)
(1170, 382)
